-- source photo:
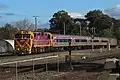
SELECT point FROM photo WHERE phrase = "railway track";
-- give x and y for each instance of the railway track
(80, 64)
(94, 58)
(7, 54)
(61, 54)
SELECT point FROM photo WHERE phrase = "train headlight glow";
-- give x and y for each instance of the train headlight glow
(55, 37)
(18, 49)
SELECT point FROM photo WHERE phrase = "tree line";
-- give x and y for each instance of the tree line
(95, 23)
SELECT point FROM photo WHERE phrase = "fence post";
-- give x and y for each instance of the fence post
(46, 65)
(33, 67)
(70, 61)
(58, 63)
(16, 72)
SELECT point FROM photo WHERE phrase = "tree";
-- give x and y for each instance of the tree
(83, 24)
(7, 31)
(116, 29)
(98, 20)
(106, 33)
(61, 19)
(24, 25)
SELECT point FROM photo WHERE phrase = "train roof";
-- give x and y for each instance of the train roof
(77, 36)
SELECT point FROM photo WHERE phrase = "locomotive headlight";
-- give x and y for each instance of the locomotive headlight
(18, 49)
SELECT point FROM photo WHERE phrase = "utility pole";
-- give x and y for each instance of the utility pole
(79, 23)
(80, 29)
(109, 43)
(93, 32)
(64, 28)
(35, 22)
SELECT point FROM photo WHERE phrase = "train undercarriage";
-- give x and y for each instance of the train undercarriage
(37, 50)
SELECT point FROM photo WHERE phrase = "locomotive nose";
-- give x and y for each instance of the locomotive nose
(22, 42)
(22, 45)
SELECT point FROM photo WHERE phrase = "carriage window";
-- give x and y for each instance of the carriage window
(60, 40)
(18, 36)
(77, 40)
(26, 35)
(83, 40)
(69, 40)
(96, 41)
(80, 40)
(57, 40)
(63, 40)
(104, 41)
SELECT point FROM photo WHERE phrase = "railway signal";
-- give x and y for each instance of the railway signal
(70, 63)
(93, 33)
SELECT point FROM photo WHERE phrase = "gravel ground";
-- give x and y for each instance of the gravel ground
(8, 74)
(37, 76)
(83, 76)
(53, 75)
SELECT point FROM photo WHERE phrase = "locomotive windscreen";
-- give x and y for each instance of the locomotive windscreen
(22, 35)
(26, 35)
(18, 35)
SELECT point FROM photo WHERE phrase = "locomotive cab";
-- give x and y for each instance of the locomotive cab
(23, 42)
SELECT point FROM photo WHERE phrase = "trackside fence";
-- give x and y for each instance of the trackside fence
(13, 67)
